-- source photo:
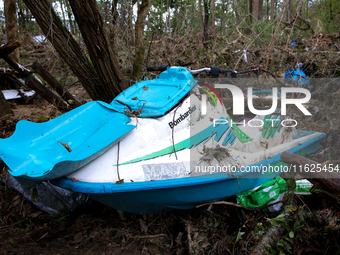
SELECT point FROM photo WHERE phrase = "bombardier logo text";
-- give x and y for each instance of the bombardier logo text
(181, 117)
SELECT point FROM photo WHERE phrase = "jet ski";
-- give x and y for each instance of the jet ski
(160, 146)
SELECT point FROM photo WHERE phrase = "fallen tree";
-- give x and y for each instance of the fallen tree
(54, 84)
(31, 80)
(325, 177)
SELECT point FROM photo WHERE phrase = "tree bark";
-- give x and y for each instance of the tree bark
(250, 10)
(314, 171)
(132, 32)
(139, 39)
(272, 9)
(69, 50)
(257, 9)
(54, 84)
(212, 16)
(206, 24)
(200, 13)
(11, 21)
(91, 25)
(288, 11)
(272, 236)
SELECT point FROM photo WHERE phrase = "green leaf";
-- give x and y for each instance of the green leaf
(298, 225)
(239, 235)
(291, 184)
(35, 195)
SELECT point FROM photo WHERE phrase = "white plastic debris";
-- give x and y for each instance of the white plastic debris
(39, 39)
(13, 94)
(245, 56)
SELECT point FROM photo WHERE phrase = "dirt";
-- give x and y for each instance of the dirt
(223, 230)
(100, 230)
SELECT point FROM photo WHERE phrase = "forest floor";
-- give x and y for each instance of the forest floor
(313, 226)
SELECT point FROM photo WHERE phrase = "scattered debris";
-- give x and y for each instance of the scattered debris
(14, 94)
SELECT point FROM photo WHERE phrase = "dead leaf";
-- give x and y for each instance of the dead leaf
(332, 224)
(16, 200)
(145, 88)
(74, 179)
(134, 98)
(120, 181)
(78, 238)
(66, 146)
(36, 214)
(292, 208)
(143, 227)
(179, 238)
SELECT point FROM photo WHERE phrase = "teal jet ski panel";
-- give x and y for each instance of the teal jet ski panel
(41, 151)
(157, 96)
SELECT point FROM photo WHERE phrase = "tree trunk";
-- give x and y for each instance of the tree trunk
(91, 25)
(193, 13)
(260, 10)
(168, 27)
(70, 51)
(4, 107)
(272, 9)
(212, 16)
(257, 9)
(206, 24)
(21, 19)
(288, 11)
(250, 10)
(237, 13)
(124, 27)
(132, 32)
(200, 13)
(139, 37)
(11, 21)
(113, 24)
(314, 171)
(223, 17)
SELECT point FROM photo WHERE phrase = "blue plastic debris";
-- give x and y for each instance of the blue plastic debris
(44, 151)
(297, 75)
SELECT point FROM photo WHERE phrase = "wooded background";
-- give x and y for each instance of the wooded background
(107, 45)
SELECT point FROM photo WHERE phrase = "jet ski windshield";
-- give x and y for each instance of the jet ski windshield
(154, 98)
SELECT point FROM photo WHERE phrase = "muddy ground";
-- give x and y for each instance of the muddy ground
(224, 230)
(97, 229)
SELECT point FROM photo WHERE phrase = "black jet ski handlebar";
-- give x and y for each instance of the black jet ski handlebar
(214, 70)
